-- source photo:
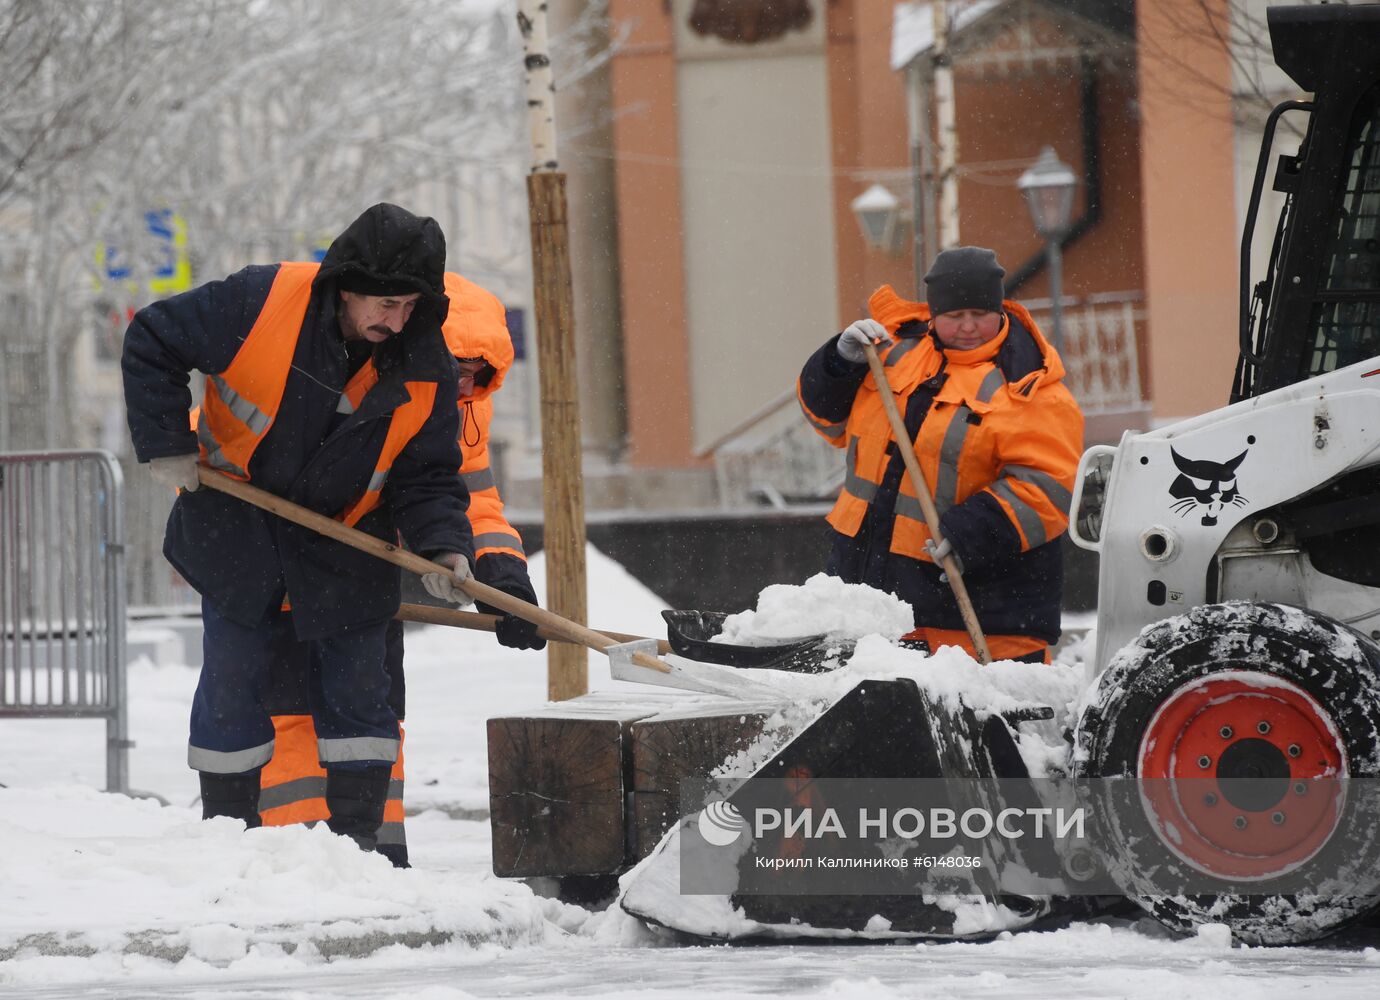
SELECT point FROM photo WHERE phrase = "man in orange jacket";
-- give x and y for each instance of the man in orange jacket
(997, 435)
(476, 334)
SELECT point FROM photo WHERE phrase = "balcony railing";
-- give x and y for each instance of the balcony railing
(1099, 353)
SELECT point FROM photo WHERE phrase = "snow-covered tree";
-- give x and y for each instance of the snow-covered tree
(265, 126)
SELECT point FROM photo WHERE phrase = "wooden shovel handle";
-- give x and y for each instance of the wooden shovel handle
(560, 628)
(922, 493)
(480, 622)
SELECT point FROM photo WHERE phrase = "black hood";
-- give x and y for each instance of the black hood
(388, 243)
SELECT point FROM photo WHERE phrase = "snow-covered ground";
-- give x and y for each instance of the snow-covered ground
(107, 896)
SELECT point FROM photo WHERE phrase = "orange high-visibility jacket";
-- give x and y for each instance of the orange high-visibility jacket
(1025, 456)
(240, 403)
(477, 327)
(998, 445)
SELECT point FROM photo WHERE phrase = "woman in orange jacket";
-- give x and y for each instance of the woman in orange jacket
(997, 435)
(476, 334)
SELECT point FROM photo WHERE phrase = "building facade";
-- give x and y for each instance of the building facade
(742, 134)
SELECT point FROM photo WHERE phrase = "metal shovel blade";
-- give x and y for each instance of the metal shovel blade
(700, 677)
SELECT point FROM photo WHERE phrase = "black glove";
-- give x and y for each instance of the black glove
(509, 574)
(512, 631)
(518, 633)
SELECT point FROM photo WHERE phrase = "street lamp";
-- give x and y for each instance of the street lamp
(1048, 187)
(878, 212)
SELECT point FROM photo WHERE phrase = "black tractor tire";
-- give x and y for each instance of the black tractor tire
(1338, 668)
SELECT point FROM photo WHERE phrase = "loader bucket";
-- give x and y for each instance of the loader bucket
(880, 731)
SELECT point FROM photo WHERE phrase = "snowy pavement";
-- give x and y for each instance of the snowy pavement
(105, 896)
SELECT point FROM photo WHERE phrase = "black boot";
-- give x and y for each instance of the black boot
(356, 800)
(233, 795)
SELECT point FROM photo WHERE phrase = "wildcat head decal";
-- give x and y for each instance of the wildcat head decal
(1205, 486)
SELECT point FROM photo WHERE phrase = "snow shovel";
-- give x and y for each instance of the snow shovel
(632, 660)
(922, 493)
(477, 621)
(640, 655)
(704, 678)
(692, 632)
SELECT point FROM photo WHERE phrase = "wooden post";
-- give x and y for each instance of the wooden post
(947, 127)
(563, 499)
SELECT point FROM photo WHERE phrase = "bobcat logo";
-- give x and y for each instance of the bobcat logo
(1205, 484)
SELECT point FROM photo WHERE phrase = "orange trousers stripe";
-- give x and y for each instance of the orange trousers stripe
(294, 782)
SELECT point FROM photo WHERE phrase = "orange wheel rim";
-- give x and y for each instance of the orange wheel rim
(1242, 775)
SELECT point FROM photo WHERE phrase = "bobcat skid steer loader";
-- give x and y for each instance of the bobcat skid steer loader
(1238, 628)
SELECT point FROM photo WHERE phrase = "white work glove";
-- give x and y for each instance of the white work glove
(177, 472)
(859, 334)
(446, 586)
(942, 551)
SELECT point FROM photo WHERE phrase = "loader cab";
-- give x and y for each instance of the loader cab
(1317, 308)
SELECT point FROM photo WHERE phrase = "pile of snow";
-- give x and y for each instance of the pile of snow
(823, 605)
(951, 680)
(954, 678)
(159, 882)
(948, 677)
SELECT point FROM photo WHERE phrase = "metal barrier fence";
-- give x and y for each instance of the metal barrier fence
(62, 594)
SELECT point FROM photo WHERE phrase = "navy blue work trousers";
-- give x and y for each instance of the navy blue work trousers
(244, 669)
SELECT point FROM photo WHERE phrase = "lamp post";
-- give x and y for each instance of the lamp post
(1048, 187)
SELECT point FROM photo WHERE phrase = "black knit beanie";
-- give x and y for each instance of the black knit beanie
(964, 278)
